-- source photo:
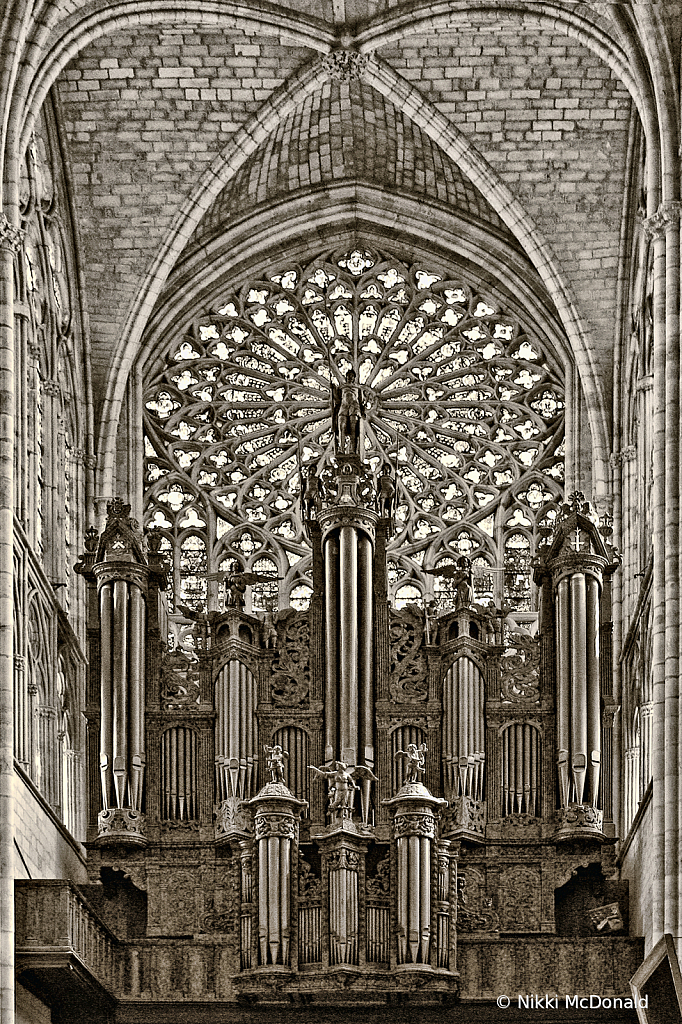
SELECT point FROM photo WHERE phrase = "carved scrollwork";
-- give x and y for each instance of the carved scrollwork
(475, 911)
(282, 825)
(121, 823)
(521, 900)
(290, 686)
(423, 824)
(579, 816)
(407, 680)
(231, 818)
(179, 681)
(469, 814)
(289, 692)
(520, 670)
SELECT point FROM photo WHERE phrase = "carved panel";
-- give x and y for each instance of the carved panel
(475, 908)
(520, 670)
(179, 681)
(408, 673)
(520, 899)
(290, 686)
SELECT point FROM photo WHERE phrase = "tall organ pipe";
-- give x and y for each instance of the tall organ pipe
(463, 730)
(122, 688)
(348, 549)
(577, 618)
(235, 732)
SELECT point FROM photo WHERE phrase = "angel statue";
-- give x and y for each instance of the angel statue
(236, 584)
(415, 757)
(342, 785)
(348, 411)
(274, 762)
(460, 575)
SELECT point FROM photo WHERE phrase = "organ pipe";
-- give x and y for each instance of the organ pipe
(348, 551)
(122, 689)
(236, 740)
(463, 731)
(179, 764)
(521, 770)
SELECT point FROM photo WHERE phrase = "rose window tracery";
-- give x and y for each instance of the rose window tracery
(463, 403)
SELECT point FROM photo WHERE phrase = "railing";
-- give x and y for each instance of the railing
(52, 916)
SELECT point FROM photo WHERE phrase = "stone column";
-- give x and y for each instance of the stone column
(10, 246)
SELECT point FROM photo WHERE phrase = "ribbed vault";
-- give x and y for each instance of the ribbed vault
(347, 131)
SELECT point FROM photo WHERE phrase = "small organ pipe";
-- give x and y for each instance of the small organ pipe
(425, 897)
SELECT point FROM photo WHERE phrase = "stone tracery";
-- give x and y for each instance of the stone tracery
(462, 404)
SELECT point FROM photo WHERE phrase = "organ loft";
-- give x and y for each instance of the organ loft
(364, 796)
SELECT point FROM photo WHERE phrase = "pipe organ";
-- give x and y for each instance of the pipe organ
(449, 752)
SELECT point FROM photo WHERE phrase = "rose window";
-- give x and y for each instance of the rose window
(463, 404)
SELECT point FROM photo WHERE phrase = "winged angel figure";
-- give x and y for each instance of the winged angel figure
(342, 785)
(415, 757)
(237, 582)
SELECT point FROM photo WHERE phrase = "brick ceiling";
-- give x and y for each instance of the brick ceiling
(146, 111)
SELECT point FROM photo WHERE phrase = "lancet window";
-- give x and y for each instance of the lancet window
(462, 401)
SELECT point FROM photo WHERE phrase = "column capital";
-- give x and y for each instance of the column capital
(11, 238)
(667, 215)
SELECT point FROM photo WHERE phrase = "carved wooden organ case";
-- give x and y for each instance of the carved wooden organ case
(374, 887)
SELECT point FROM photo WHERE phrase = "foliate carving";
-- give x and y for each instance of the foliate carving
(231, 818)
(667, 214)
(469, 814)
(282, 825)
(122, 824)
(475, 912)
(521, 900)
(175, 827)
(343, 858)
(218, 922)
(345, 65)
(290, 685)
(11, 238)
(520, 670)
(407, 679)
(179, 681)
(520, 820)
(423, 824)
(577, 817)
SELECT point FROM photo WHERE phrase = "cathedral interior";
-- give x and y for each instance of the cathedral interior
(340, 510)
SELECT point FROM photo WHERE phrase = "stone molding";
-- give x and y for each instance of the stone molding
(667, 215)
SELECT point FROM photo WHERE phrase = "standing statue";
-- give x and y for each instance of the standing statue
(462, 580)
(274, 762)
(236, 584)
(342, 786)
(312, 490)
(386, 493)
(415, 757)
(348, 411)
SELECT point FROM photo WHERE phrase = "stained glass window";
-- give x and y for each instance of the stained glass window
(463, 403)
